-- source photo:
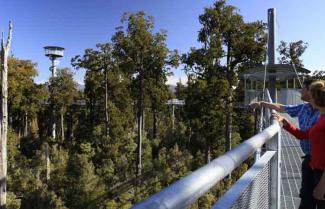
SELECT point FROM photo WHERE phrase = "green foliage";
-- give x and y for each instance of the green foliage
(83, 186)
(318, 75)
(62, 88)
(92, 170)
(290, 53)
(244, 123)
(42, 198)
(25, 98)
(13, 202)
(20, 82)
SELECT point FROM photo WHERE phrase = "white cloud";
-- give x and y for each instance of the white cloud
(172, 80)
(38, 81)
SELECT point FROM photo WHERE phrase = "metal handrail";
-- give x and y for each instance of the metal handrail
(234, 196)
(187, 190)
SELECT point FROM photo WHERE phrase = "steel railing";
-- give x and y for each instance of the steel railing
(253, 189)
(187, 190)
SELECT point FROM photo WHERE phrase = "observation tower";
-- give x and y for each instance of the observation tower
(54, 53)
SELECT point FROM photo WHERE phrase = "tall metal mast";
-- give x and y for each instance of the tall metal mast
(271, 51)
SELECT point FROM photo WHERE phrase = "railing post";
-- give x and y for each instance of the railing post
(257, 154)
(275, 174)
(279, 169)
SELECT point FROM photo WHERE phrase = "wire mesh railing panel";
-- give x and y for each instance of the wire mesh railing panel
(257, 195)
(253, 189)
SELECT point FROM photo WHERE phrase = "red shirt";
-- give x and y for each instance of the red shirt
(316, 134)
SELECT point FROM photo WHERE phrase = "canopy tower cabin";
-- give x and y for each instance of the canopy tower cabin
(286, 83)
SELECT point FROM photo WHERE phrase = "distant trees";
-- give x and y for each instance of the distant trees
(25, 98)
(113, 156)
(95, 61)
(228, 45)
(117, 145)
(319, 74)
(143, 55)
(290, 53)
(63, 91)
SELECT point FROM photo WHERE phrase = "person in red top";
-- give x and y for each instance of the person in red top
(316, 134)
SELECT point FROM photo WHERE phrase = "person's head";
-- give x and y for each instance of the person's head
(317, 92)
(305, 95)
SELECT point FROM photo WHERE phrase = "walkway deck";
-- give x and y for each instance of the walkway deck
(291, 174)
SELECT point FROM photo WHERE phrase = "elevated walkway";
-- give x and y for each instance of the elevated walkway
(273, 181)
(290, 171)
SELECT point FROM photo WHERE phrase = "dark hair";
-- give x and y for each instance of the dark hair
(308, 82)
(317, 90)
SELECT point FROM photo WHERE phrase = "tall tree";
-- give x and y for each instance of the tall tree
(133, 50)
(93, 86)
(97, 61)
(4, 53)
(63, 91)
(228, 45)
(180, 90)
(290, 53)
(113, 153)
(155, 84)
(25, 98)
(236, 41)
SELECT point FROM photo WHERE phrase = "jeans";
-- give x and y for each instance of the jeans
(307, 185)
(317, 176)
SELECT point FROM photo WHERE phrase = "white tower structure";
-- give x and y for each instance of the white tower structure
(54, 53)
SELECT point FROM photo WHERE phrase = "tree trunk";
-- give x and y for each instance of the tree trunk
(5, 49)
(208, 151)
(140, 120)
(154, 123)
(91, 113)
(189, 137)
(25, 125)
(47, 152)
(69, 126)
(154, 133)
(62, 125)
(106, 106)
(173, 117)
(143, 119)
(48, 162)
(140, 113)
(53, 123)
(19, 127)
(228, 131)
(34, 126)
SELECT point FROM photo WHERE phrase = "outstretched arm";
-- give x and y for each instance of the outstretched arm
(275, 106)
(299, 134)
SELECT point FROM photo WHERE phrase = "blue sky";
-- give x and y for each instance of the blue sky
(80, 24)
